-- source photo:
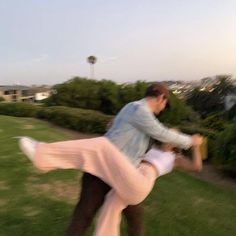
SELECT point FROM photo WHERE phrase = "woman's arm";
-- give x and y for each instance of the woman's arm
(190, 165)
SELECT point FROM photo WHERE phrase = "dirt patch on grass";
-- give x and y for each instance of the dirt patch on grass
(211, 174)
(30, 211)
(32, 179)
(28, 126)
(5, 157)
(3, 203)
(199, 201)
(4, 185)
(57, 190)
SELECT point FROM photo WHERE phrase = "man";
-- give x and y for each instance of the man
(131, 131)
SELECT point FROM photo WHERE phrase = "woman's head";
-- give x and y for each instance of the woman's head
(167, 146)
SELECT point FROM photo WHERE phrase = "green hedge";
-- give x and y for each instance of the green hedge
(225, 149)
(178, 112)
(215, 121)
(19, 109)
(73, 118)
(232, 113)
(79, 119)
(212, 135)
(88, 121)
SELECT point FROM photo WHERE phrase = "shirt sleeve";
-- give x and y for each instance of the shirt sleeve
(145, 121)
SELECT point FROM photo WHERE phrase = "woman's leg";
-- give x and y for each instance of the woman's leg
(99, 157)
(108, 222)
(92, 197)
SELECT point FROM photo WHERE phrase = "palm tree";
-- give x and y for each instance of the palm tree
(92, 60)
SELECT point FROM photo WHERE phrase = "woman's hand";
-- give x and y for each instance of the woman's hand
(196, 163)
(197, 140)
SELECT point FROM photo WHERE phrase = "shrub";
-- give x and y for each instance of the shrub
(178, 112)
(232, 113)
(74, 118)
(2, 99)
(225, 148)
(211, 135)
(19, 109)
(215, 122)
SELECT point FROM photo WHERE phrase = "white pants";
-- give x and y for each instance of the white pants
(99, 157)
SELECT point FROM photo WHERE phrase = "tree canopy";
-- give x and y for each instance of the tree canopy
(212, 100)
(109, 97)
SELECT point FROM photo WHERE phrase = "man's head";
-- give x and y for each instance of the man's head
(157, 96)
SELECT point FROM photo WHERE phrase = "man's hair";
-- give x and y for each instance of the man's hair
(157, 89)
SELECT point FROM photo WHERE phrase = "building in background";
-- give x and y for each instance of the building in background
(41, 92)
(19, 93)
(16, 93)
(230, 101)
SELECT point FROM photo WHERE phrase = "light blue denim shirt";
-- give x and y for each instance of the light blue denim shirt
(133, 127)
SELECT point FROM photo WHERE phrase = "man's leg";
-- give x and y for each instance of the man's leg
(93, 191)
(135, 222)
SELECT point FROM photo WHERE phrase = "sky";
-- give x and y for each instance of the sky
(48, 41)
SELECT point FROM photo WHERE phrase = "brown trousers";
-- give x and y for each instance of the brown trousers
(92, 196)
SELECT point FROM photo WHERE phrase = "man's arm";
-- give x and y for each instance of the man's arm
(145, 121)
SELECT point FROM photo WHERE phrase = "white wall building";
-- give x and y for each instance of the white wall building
(41, 92)
(230, 101)
(42, 95)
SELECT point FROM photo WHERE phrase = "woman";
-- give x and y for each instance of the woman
(164, 160)
(130, 185)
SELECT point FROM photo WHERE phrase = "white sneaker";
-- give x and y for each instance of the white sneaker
(28, 147)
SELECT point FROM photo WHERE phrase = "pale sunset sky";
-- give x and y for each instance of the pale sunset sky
(48, 41)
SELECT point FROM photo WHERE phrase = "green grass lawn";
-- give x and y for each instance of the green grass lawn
(41, 204)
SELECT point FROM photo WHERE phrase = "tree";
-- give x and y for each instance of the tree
(232, 113)
(109, 97)
(178, 112)
(225, 148)
(212, 101)
(215, 122)
(77, 92)
(224, 86)
(205, 102)
(140, 88)
(92, 60)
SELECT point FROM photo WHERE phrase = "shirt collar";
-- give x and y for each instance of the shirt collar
(144, 102)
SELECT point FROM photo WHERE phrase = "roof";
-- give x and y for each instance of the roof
(41, 89)
(13, 87)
